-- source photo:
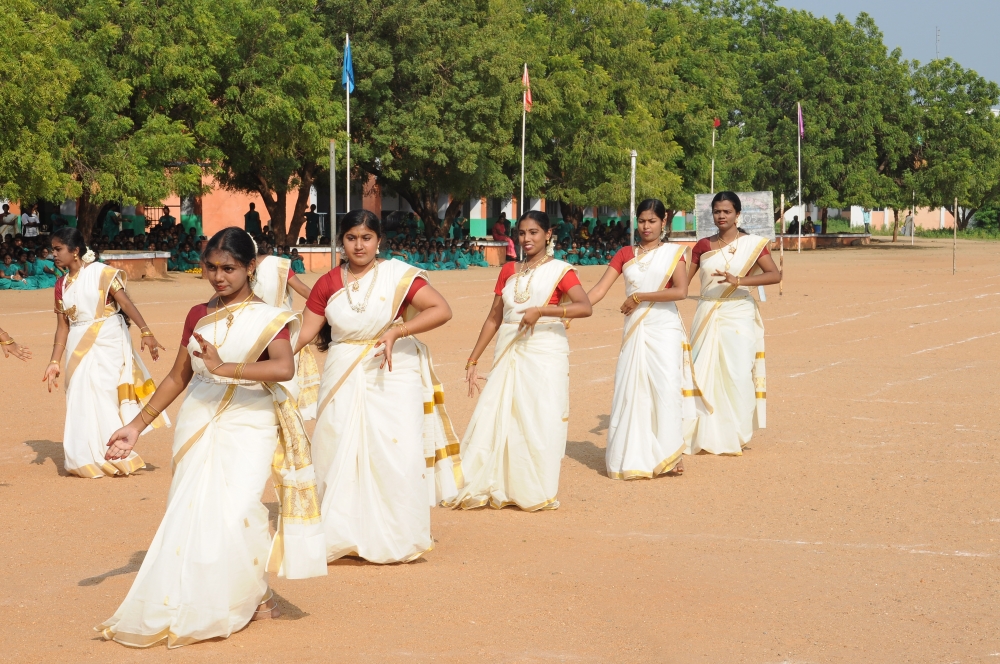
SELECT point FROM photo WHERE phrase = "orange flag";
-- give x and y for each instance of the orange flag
(527, 90)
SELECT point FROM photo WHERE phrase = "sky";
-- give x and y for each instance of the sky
(968, 27)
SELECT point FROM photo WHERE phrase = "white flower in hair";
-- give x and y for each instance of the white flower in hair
(89, 257)
(255, 249)
(550, 248)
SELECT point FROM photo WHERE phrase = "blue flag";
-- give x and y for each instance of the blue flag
(347, 72)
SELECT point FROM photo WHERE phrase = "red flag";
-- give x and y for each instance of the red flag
(717, 123)
(527, 90)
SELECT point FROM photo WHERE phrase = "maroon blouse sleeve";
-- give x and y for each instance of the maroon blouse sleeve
(700, 247)
(506, 272)
(197, 312)
(624, 255)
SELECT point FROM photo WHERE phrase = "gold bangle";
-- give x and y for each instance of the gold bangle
(212, 370)
(471, 363)
(143, 420)
(144, 327)
(737, 282)
(238, 374)
(564, 311)
(635, 297)
(146, 334)
(55, 362)
(9, 341)
(151, 410)
(58, 344)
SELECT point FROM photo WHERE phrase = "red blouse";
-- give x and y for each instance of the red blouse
(704, 246)
(199, 311)
(510, 269)
(333, 281)
(624, 255)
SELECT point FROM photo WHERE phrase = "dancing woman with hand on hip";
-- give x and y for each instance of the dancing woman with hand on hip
(513, 448)
(106, 380)
(654, 388)
(727, 338)
(204, 575)
(385, 449)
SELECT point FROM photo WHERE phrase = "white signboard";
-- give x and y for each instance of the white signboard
(757, 216)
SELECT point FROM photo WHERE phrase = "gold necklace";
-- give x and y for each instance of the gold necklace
(521, 297)
(732, 246)
(360, 308)
(230, 318)
(70, 278)
(638, 259)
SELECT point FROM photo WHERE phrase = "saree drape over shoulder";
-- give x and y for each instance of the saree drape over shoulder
(272, 286)
(654, 387)
(727, 341)
(106, 380)
(204, 573)
(513, 448)
(385, 449)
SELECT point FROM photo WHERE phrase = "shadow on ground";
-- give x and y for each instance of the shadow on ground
(48, 449)
(132, 566)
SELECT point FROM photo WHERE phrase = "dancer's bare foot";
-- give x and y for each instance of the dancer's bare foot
(267, 610)
(679, 468)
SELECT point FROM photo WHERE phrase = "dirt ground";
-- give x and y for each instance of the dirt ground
(862, 526)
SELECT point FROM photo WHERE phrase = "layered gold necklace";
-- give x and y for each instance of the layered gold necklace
(642, 253)
(355, 286)
(520, 296)
(731, 246)
(230, 318)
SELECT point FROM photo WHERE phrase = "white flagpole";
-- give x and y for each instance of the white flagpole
(798, 130)
(713, 161)
(332, 226)
(631, 208)
(524, 116)
(347, 41)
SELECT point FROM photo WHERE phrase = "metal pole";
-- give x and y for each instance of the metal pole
(524, 116)
(954, 240)
(913, 213)
(712, 188)
(347, 170)
(632, 204)
(333, 204)
(781, 257)
(799, 133)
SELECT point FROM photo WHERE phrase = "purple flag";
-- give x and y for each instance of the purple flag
(802, 129)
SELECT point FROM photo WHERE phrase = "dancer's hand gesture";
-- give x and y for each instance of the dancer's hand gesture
(629, 305)
(472, 377)
(529, 319)
(726, 277)
(153, 346)
(386, 341)
(51, 376)
(121, 443)
(209, 354)
(17, 350)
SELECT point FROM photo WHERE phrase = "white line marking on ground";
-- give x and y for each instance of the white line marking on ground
(815, 370)
(956, 343)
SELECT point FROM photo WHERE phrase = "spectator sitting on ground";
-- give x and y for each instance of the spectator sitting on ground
(298, 265)
(808, 227)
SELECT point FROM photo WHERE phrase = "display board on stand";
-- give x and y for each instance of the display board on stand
(757, 217)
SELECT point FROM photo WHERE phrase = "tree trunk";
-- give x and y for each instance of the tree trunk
(307, 175)
(895, 223)
(823, 214)
(668, 222)
(424, 205)
(275, 204)
(454, 207)
(963, 219)
(86, 215)
(571, 213)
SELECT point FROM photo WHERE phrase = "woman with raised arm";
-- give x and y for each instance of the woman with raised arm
(204, 575)
(106, 380)
(654, 390)
(727, 338)
(11, 347)
(274, 282)
(385, 449)
(513, 448)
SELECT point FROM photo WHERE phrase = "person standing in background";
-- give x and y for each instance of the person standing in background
(30, 223)
(312, 225)
(9, 223)
(166, 221)
(251, 221)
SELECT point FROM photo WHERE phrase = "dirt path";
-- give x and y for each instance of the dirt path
(862, 526)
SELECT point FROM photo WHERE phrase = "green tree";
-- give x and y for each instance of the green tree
(437, 97)
(278, 104)
(35, 79)
(959, 147)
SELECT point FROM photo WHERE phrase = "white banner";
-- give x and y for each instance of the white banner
(757, 216)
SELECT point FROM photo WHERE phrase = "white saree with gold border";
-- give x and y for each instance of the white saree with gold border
(204, 573)
(384, 447)
(271, 285)
(513, 448)
(727, 342)
(106, 380)
(654, 386)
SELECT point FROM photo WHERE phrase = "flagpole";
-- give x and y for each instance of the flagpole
(524, 116)
(333, 204)
(347, 170)
(781, 258)
(631, 208)
(713, 161)
(799, 104)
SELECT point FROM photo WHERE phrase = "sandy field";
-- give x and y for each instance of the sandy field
(862, 526)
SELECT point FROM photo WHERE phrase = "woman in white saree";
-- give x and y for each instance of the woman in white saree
(727, 338)
(385, 449)
(654, 387)
(513, 448)
(204, 575)
(274, 284)
(106, 380)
